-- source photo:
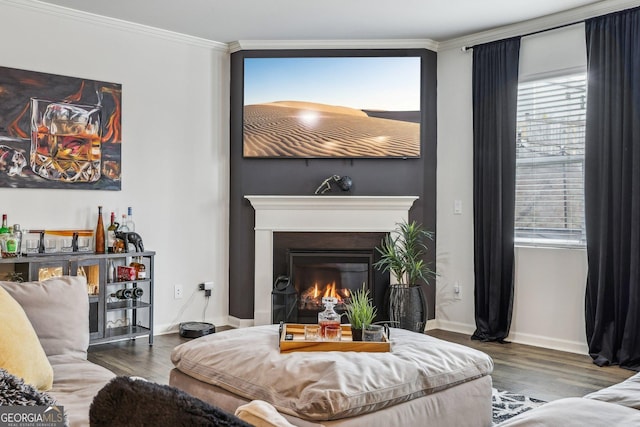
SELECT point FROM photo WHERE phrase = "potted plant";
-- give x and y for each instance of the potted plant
(360, 312)
(402, 254)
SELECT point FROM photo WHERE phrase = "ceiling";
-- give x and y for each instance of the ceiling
(233, 20)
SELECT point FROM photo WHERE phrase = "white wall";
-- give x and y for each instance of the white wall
(549, 283)
(175, 161)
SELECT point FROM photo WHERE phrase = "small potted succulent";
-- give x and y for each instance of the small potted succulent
(360, 312)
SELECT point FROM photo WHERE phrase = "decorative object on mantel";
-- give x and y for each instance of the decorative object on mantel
(360, 312)
(402, 252)
(343, 182)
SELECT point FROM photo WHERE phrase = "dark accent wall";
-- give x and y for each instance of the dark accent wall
(371, 177)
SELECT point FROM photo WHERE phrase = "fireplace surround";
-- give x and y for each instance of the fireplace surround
(314, 214)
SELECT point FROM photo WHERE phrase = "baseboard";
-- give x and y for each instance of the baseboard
(518, 337)
(239, 323)
(461, 328)
(550, 343)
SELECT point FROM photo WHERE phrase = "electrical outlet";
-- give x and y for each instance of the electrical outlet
(457, 291)
(177, 291)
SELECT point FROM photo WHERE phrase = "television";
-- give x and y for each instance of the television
(340, 104)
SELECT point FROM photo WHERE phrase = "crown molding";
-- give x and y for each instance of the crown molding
(539, 24)
(333, 44)
(118, 24)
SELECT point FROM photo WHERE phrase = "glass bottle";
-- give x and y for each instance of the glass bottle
(4, 234)
(17, 235)
(5, 228)
(123, 225)
(111, 233)
(100, 233)
(130, 224)
(329, 315)
(141, 269)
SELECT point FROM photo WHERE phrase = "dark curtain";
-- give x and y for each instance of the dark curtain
(495, 96)
(612, 189)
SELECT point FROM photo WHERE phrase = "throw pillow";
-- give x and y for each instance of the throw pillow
(126, 401)
(259, 413)
(14, 391)
(20, 351)
(58, 309)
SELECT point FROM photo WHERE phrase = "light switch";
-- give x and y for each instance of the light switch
(457, 207)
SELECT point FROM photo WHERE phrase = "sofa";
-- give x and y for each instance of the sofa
(44, 336)
(618, 405)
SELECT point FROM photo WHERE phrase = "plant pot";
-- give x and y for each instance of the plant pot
(356, 334)
(407, 307)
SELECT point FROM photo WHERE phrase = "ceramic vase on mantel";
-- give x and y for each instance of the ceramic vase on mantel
(407, 307)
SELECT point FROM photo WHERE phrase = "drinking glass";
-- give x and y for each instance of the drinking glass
(50, 245)
(311, 332)
(65, 141)
(332, 333)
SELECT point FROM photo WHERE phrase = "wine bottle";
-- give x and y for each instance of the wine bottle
(5, 228)
(130, 224)
(4, 236)
(111, 233)
(100, 233)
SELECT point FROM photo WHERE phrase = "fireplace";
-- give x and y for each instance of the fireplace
(361, 219)
(318, 264)
(317, 274)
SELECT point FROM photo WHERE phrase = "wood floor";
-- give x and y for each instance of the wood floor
(533, 371)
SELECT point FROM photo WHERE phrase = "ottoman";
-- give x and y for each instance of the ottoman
(422, 379)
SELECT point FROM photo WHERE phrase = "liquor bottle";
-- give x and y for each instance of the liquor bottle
(123, 225)
(141, 269)
(111, 233)
(10, 244)
(328, 316)
(100, 233)
(130, 224)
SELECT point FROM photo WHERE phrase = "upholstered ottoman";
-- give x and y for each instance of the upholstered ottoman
(423, 379)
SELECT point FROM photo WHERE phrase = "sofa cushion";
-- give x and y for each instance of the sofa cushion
(58, 309)
(576, 412)
(76, 383)
(20, 351)
(626, 393)
(14, 391)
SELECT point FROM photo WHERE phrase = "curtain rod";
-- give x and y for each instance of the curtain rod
(533, 33)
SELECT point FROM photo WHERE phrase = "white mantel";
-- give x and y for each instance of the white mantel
(314, 214)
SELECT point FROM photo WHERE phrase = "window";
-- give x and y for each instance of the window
(550, 161)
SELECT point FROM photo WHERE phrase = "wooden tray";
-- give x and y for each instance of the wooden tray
(298, 342)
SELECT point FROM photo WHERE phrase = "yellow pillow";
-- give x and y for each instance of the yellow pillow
(20, 351)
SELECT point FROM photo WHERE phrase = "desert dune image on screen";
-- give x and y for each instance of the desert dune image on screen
(332, 107)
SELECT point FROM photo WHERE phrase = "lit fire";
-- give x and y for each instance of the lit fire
(312, 297)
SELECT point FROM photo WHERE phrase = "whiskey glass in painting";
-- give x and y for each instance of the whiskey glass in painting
(65, 141)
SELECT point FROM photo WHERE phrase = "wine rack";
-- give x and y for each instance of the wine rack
(110, 318)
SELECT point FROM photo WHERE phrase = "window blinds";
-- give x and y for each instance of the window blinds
(550, 161)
